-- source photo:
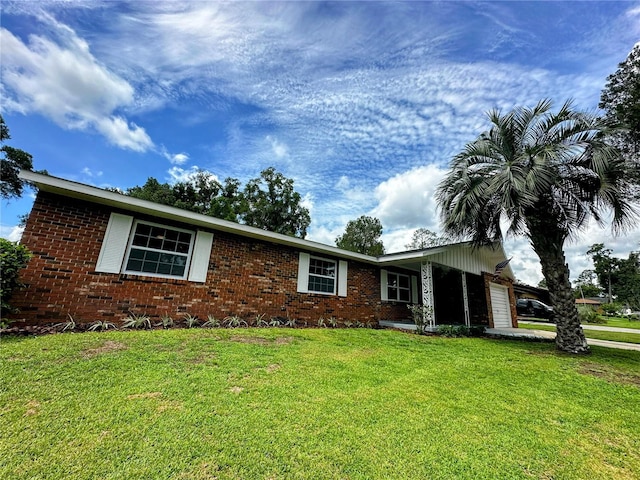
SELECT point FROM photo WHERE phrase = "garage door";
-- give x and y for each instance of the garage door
(500, 306)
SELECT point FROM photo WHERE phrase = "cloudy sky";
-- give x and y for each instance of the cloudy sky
(363, 104)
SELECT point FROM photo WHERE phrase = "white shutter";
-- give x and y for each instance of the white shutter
(303, 273)
(342, 278)
(114, 244)
(384, 294)
(415, 298)
(200, 257)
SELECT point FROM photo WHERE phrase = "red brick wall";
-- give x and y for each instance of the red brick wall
(246, 277)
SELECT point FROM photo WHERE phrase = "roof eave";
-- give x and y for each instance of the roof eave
(88, 193)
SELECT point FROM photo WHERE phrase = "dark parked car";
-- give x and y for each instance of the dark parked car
(534, 308)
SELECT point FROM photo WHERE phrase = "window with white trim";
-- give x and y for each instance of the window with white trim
(159, 251)
(153, 250)
(398, 287)
(322, 275)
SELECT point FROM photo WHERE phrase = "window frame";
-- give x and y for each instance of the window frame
(130, 246)
(334, 278)
(398, 287)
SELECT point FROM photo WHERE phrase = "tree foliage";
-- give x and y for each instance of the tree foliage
(362, 236)
(12, 161)
(424, 238)
(620, 99)
(546, 174)
(619, 277)
(13, 258)
(273, 204)
(585, 286)
(268, 202)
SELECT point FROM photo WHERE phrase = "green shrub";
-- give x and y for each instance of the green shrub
(13, 258)
(453, 331)
(611, 308)
(589, 315)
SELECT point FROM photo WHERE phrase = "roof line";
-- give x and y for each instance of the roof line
(69, 188)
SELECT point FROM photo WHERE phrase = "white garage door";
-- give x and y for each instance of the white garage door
(500, 306)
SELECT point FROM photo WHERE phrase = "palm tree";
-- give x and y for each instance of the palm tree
(543, 175)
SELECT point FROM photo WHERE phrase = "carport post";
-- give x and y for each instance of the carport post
(427, 294)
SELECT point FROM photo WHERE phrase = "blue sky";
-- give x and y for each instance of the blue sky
(361, 103)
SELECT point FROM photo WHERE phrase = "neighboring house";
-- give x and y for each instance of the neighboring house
(101, 255)
(522, 290)
(593, 302)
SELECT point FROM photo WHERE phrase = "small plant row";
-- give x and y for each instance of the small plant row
(135, 321)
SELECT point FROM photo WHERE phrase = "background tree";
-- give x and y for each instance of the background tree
(271, 203)
(620, 99)
(362, 236)
(153, 191)
(13, 258)
(545, 174)
(619, 277)
(12, 161)
(424, 238)
(585, 286)
(268, 202)
(605, 267)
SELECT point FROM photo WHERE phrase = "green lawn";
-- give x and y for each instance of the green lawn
(313, 403)
(600, 335)
(621, 322)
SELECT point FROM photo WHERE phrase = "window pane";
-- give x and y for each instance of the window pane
(171, 235)
(137, 254)
(140, 240)
(392, 293)
(321, 284)
(404, 295)
(149, 267)
(151, 256)
(182, 248)
(155, 243)
(403, 281)
(164, 269)
(134, 265)
(177, 270)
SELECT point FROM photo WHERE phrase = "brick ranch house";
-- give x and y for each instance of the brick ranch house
(100, 255)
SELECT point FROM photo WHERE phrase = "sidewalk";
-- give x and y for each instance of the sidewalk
(590, 341)
(602, 328)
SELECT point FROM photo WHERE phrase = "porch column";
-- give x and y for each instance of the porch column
(465, 300)
(427, 294)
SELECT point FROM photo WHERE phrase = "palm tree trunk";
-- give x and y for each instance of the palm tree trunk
(549, 247)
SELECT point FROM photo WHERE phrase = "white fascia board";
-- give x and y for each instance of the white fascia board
(82, 191)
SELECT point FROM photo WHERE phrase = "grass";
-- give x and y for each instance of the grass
(597, 334)
(621, 322)
(313, 403)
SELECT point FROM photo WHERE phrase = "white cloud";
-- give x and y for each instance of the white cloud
(175, 158)
(64, 82)
(407, 200)
(87, 172)
(179, 174)
(11, 233)
(278, 149)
